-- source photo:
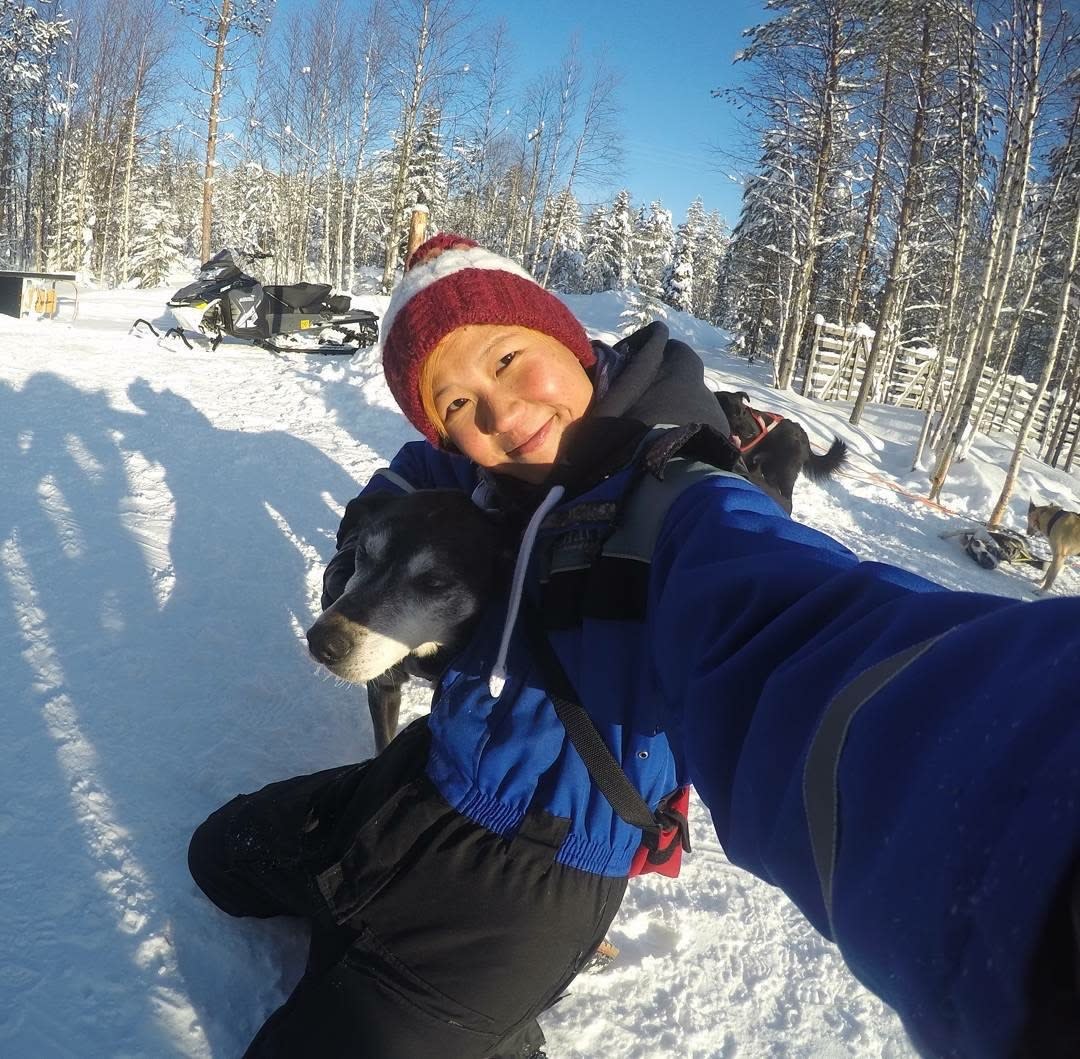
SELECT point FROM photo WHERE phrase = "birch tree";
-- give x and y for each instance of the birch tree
(1070, 215)
(1006, 223)
(429, 38)
(924, 82)
(809, 54)
(219, 25)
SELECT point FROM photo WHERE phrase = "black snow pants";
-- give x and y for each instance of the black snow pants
(431, 936)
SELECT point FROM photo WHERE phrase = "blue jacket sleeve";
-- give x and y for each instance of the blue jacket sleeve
(420, 465)
(902, 760)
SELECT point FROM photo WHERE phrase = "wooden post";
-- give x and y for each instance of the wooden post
(811, 361)
(417, 228)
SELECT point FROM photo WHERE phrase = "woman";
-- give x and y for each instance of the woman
(917, 795)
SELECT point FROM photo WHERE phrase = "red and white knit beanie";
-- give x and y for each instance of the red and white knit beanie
(449, 282)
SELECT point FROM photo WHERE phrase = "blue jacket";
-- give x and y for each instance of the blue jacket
(902, 760)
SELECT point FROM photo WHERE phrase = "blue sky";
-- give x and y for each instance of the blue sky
(670, 56)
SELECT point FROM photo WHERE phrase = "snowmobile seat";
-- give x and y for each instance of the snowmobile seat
(299, 295)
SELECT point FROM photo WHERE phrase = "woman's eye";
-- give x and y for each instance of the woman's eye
(454, 405)
(505, 361)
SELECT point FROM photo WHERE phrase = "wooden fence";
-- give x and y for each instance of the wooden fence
(837, 365)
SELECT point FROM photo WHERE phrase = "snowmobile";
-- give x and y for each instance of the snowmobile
(301, 317)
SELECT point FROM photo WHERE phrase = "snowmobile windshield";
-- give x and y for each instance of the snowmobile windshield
(221, 264)
(212, 275)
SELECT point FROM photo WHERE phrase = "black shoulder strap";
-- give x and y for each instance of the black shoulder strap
(606, 772)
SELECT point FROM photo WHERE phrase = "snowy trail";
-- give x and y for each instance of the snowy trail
(165, 515)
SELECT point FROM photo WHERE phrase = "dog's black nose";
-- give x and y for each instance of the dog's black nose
(327, 644)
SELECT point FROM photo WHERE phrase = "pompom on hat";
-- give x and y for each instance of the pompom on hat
(449, 282)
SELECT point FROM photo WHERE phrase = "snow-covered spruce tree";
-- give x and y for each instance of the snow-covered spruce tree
(567, 257)
(596, 245)
(30, 38)
(653, 242)
(710, 249)
(678, 281)
(426, 182)
(620, 242)
(155, 250)
(755, 287)
(246, 206)
(641, 309)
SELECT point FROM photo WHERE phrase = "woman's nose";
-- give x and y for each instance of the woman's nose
(499, 413)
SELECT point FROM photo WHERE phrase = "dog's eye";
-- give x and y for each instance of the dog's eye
(431, 583)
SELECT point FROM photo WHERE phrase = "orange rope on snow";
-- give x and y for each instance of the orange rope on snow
(881, 480)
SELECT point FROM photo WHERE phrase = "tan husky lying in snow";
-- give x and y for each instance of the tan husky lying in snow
(1062, 529)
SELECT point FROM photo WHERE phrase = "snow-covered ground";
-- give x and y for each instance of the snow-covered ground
(164, 517)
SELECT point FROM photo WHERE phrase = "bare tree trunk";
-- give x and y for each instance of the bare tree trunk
(898, 263)
(568, 79)
(1060, 316)
(788, 353)
(371, 66)
(1015, 175)
(220, 39)
(1069, 391)
(59, 225)
(407, 131)
(124, 249)
(593, 138)
(964, 356)
(530, 196)
(873, 200)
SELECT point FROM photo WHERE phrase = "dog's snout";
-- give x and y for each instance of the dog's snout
(328, 644)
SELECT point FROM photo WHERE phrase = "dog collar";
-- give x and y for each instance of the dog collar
(766, 421)
(1053, 518)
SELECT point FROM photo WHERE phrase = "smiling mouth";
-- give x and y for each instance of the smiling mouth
(533, 443)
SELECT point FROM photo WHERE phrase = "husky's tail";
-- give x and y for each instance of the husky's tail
(817, 468)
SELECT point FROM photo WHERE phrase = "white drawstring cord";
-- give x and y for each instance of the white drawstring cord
(497, 680)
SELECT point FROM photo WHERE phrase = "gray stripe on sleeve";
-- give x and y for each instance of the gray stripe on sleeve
(821, 796)
(392, 476)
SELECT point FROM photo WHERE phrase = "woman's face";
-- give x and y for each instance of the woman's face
(507, 394)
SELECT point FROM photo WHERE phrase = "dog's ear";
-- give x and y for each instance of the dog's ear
(744, 397)
(361, 508)
(1031, 506)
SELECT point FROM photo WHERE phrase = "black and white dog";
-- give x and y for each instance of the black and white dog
(410, 576)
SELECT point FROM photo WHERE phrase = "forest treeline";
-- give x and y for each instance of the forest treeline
(909, 164)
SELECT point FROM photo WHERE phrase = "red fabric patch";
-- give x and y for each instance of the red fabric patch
(666, 858)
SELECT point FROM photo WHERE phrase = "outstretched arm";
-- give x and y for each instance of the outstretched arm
(902, 760)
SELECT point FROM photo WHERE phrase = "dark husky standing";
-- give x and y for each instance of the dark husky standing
(777, 448)
(411, 572)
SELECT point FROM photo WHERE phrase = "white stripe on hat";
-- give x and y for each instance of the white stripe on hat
(439, 267)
